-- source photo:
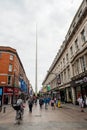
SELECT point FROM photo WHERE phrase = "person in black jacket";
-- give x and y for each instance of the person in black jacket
(30, 103)
(41, 101)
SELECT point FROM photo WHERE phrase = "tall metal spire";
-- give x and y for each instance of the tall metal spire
(36, 65)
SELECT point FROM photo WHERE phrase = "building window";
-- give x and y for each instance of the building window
(58, 79)
(11, 57)
(74, 24)
(73, 70)
(83, 63)
(67, 57)
(68, 73)
(61, 64)
(77, 67)
(0, 55)
(83, 35)
(9, 80)
(58, 67)
(62, 77)
(80, 13)
(10, 67)
(64, 61)
(71, 50)
(76, 45)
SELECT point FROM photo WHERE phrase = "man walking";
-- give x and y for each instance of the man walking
(30, 103)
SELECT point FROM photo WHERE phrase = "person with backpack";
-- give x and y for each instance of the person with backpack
(30, 104)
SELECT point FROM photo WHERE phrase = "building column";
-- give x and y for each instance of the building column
(73, 95)
(67, 95)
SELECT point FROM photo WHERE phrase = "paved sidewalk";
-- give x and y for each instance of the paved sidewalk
(68, 117)
(72, 106)
(5, 110)
(8, 108)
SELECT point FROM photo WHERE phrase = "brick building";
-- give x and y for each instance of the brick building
(12, 74)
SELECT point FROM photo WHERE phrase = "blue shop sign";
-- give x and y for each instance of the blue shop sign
(1, 91)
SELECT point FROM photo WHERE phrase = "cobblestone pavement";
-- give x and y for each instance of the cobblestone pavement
(66, 118)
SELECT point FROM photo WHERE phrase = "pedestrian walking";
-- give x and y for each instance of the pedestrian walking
(41, 102)
(46, 102)
(81, 103)
(52, 103)
(35, 99)
(85, 100)
(30, 103)
(55, 100)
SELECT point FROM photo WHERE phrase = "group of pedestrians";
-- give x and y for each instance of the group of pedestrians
(82, 100)
(47, 100)
(53, 102)
(44, 100)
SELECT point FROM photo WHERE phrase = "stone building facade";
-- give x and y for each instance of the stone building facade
(68, 73)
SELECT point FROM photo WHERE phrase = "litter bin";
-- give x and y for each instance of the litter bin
(4, 109)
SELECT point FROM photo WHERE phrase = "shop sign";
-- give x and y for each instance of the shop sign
(79, 81)
(16, 90)
(8, 90)
(1, 91)
(84, 80)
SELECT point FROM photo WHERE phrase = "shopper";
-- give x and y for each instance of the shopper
(52, 103)
(30, 103)
(41, 102)
(81, 103)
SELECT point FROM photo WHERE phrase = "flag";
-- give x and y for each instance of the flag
(48, 88)
(23, 86)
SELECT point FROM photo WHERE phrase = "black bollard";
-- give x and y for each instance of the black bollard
(4, 109)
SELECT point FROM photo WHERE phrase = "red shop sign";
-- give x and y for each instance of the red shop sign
(8, 90)
(16, 90)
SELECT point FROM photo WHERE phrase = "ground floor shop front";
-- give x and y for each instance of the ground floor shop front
(70, 92)
(79, 86)
(9, 95)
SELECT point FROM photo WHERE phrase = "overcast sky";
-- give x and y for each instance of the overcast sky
(18, 20)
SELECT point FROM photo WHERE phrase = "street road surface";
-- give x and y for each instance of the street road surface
(40, 119)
